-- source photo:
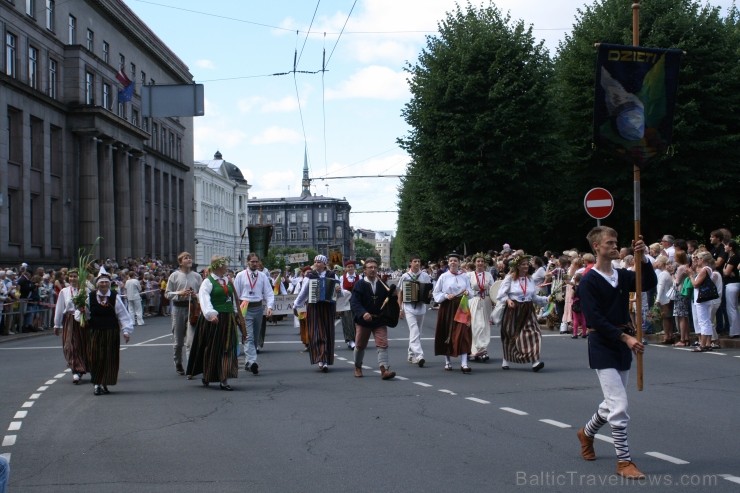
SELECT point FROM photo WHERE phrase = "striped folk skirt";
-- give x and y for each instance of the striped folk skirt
(103, 355)
(320, 322)
(75, 344)
(451, 338)
(520, 334)
(214, 349)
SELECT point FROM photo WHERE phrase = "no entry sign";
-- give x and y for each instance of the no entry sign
(598, 203)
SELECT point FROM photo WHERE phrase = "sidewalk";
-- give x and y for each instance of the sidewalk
(724, 341)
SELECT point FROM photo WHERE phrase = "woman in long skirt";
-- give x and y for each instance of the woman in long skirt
(214, 349)
(75, 338)
(520, 332)
(452, 338)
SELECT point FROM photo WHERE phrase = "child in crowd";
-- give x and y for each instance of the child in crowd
(577, 317)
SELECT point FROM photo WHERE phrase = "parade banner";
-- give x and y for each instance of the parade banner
(259, 239)
(633, 105)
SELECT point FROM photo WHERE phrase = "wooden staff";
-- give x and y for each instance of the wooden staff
(638, 255)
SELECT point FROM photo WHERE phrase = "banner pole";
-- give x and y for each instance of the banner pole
(638, 256)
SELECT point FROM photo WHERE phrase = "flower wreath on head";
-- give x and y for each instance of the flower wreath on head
(219, 262)
(486, 258)
(514, 263)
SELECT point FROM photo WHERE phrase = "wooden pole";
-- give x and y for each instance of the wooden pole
(638, 256)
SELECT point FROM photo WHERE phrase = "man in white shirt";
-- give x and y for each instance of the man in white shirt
(253, 286)
(414, 312)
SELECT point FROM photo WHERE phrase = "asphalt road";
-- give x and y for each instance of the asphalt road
(293, 429)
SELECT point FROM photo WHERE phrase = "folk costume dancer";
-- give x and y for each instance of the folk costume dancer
(214, 350)
(367, 301)
(254, 287)
(480, 307)
(75, 338)
(521, 338)
(414, 312)
(349, 279)
(182, 292)
(106, 316)
(604, 293)
(452, 338)
(320, 317)
(299, 317)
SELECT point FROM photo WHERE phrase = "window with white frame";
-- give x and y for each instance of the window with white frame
(33, 64)
(89, 88)
(11, 41)
(50, 15)
(72, 30)
(90, 40)
(52, 78)
(106, 52)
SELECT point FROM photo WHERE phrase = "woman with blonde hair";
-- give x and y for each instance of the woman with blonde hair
(682, 302)
(702, 270)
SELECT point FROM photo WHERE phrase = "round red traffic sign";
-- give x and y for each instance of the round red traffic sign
(598, 203)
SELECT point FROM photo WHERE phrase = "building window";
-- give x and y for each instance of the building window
(163, 141)
(15, 217)
(89, 88)
(293, 234)
(292, 217)
(133, 74)
(121, 62)
(172, 145)
(33, 64)
(90, 40)
(145, 123)
(323, 234)
(72, 30)
(55, 151)
(143, 78)
(36, 135)
(178, 149)
(338, 233)
(10, 61)
(31, 8)
(15, 136)
(279, 218)
(155, 135)
(107, 97)
(304, 217)
(340, 216)
(52, 78)
(135, 117)
(50, 14)
(121, 110)
(36, 209)
(106, 52)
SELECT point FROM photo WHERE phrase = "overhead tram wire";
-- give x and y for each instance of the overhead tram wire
(309, 31)
(340, 33)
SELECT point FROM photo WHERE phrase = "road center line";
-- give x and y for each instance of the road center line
(20, 415)
(59, 375)
(422, 384)
(604, 438)
(730, 477)
(401, 378)
(555, 423)
(28, 404)
(475, 399)
(42, 388)
(9, 440)
(15, 425)
(668, 458)
(49, 382)
(514, 411)
(447, 391)
(35, 396)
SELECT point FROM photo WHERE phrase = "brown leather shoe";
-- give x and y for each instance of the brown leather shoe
(628, 469)
(358, 372)
(386, 374)
(587, 445)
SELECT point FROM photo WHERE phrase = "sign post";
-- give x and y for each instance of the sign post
(598, 203)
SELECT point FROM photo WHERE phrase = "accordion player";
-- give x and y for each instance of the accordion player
(322, 289)
(415, 292)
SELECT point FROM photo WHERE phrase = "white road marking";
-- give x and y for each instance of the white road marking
(341, 359)
(28, 404)
(401, 378)
(730, 477)
(67, 370)
(604, 438)
(447, 391)
(42, 388)
(59, 375)
(555, 423)
(422, 384)
(667, 458)
(15, 425)
(716, 353)
(7, 456)
(479, 401)
(514, 411)
(49, 382)
(154, 339)
(20, 415)
(35, 396)
(9, 440)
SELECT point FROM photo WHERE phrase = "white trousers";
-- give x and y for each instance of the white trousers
(415, 322)
(614, 406)
(731, 293)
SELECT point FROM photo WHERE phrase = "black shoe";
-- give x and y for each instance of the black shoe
(540, 365)
(254, 368)
(105, 390)
(421, 362)
(97, 390)
(179, 369)
(225, 387)
(203, 381)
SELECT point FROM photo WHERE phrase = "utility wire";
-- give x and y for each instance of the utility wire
(340, 34)
(309, 31)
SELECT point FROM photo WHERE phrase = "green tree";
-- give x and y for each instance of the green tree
(364, 249)
(694, 189)
(276, 256)
(481, 142)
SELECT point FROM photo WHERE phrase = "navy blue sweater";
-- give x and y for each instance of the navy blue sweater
(606, 308)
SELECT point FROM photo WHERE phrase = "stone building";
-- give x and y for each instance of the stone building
(308, 221)
(77, 159)
(220, 198)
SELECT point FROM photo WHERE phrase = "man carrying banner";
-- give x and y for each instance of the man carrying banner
(604, 293)
(255, 292)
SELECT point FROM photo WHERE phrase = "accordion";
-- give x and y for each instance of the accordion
(321, 289)
(414, 292)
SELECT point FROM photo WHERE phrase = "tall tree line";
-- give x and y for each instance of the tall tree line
(501, 134)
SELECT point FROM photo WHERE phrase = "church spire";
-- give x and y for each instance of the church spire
(306, 192)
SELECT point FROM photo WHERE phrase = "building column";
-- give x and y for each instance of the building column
(107, 196)
(136, 166)
(88, 199)
(123, 213)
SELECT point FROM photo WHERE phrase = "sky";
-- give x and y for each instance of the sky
(347, 118)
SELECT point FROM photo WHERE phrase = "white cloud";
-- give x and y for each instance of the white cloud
(286, 104)
(373, 82)
(205, 64)
(277, 135)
